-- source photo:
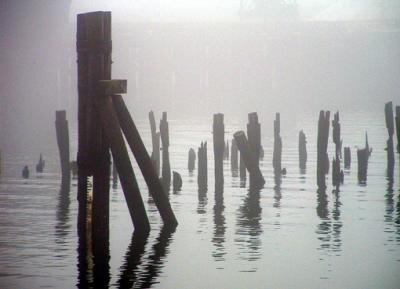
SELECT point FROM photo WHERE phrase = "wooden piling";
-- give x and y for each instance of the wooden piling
(336, 135)
(94, 64)
(176, 181)
(389, 143)
(277, 154)
(336, 172)
(226, 151)
(155, 140)
(110, 123)
(191, 159)
(362, 161)
(219, 147)
(398, 127)
(63, 146)
(143, 159)
(234, 155)
(302, 150)
(242, 168)
(254, 137)
(249, 159)
(347, 157)
(202, 177)
(166, 168)
(322, 146)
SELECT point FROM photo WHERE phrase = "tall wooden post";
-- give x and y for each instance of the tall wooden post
(242, 168)
(398, 127)
(219, 146)
(166, 169)
(254, 137)
(347, 157)
(155, 140)
(191, 159)
(63, 147)
(143, 159)
(362, 161)
(322, 147)
(249, 159)
(94, 64)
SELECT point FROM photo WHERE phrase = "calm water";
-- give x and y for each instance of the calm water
(286, 237)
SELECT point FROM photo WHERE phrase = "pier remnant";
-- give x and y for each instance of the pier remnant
(249, 159)
(242, 168)
(155, 141)
(398, 127)
(336, 135)
(176, 181)
(63, 148)
(25, 172)
(302, 150)
(219, 147)
(277, 154)
(40, 165)
(347, 157)
(191, 159)
(166, 168)
(226, 151)
(234, 155)
(362, 160)
(389, 143)
(322, 147)
(254, 138)
(202, 177)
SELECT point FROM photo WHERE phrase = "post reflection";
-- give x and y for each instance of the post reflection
(337, 223)
(133, 256)
(202, 196)
(324, 227)
(249, 226)
(219, 228)
(62, 226)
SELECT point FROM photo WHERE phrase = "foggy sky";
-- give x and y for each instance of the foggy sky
(278, 66)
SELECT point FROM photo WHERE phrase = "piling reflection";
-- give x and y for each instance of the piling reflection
(202, 196)
(336, 222)
(324, 227)
(129, 270)
(249, 226)
(219, 228)
(62, 226)
(156, 259)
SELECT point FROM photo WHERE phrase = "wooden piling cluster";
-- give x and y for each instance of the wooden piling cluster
(202, 174)
(166, 168)
(302, 150)
(322, 147)
(249, 159)
(254, 138)
(63, 147)
(101, 116)
(191, 159)
(155, 141)
(277, 154)
(219, 147)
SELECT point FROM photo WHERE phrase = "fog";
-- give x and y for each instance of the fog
(195, 58)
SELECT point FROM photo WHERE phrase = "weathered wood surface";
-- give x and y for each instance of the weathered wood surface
(94, 64)
(112, 86)
(398, 127)
(254, 138)
(389, 143)
(249, 158)
(143, 159)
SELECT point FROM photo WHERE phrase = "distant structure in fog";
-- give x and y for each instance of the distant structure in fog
(269, 9)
